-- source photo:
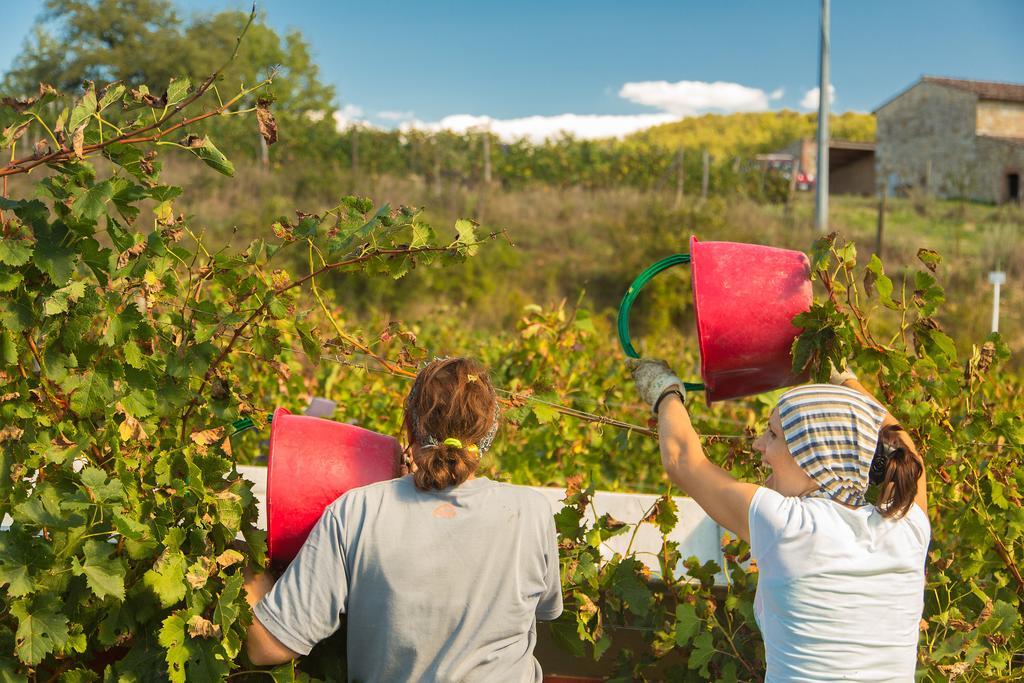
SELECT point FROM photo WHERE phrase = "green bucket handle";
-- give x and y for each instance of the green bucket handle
(245, 424)
(633, 292)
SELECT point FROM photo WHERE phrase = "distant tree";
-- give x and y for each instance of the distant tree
(148, 41)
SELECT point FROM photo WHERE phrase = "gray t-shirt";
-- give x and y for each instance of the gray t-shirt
(437, 585)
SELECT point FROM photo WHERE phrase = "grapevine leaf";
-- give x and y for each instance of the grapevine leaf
(93, 394)
(103, 574)
(14, 252)
(91, 205)
(212, 157)
(687, 623)
(177, 90)
(85, 108)
(167, 578)
(10, 280)
(42, 627)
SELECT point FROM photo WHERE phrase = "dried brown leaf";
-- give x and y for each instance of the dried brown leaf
(267, 122)
(10, 433)
(229, 557)
(78, 141)
(199, 627)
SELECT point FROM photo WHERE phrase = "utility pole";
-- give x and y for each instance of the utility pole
(706, 176)
(487, 157)
(821, 182)
(882, 195)
(996, 278)
(355, 150)
(680, 177)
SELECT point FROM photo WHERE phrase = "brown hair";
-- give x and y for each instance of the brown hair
(451, 398)
(898, 466)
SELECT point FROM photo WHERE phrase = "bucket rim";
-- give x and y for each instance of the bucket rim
(709, 388)
(279, 413)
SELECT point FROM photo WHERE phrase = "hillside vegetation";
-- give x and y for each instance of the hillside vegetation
(754, 132)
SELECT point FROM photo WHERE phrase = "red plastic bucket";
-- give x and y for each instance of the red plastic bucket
(311, 463)
(745, 297)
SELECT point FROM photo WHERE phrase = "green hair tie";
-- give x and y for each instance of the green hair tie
(451, 441)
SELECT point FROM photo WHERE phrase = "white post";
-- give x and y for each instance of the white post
(824, 91)
(996, 278)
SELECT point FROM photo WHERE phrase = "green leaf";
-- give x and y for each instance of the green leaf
(14, 252)
(44, 509)
(189, 659)
(703, 651)
(53, 255)
(626, 584)
(930, 258)
(544, 413)
(666, 514)
(10, 280)
(878, 280)
(92, 204)
(112, 93)
(310, 345)
(58, 301)
(687, 623)
(944, 343)
(173, 638)
(99, 488)
(94, 393)
(15, 565)
(227, 610)
(467, 235)
(103, 573)
(85, 108)
(177, 90)
(42, 628)
(213, 157)
(8, 349)
(167, 578)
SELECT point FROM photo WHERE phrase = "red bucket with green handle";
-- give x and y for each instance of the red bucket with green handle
(310, 464)
(744, 297)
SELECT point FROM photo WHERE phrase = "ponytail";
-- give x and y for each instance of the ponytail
(443, 465)
(895, 468)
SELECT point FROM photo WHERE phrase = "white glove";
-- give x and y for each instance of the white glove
(653, 378)
(842, 376)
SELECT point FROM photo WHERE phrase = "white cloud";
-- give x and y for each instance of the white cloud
(539, 128)
(395, 115)
(348, 115)
(811, 97)
(687, 98)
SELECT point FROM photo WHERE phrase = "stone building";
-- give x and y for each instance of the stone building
(953, 138)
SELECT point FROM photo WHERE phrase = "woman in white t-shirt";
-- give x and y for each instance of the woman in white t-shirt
(841, 581)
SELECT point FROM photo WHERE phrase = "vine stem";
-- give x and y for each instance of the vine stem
(362, 258)
(337, 328)
(636, 527)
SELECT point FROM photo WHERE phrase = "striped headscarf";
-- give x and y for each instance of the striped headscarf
(832, 432)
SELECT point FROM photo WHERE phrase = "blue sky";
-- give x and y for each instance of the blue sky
(609, 64)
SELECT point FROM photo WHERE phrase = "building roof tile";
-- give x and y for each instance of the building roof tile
(986, 90)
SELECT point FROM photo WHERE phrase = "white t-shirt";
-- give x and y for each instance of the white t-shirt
(840, 591)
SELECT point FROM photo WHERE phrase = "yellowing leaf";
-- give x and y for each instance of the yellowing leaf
(229, 557)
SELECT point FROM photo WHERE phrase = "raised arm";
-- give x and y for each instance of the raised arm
(849, 380)
(722, 497)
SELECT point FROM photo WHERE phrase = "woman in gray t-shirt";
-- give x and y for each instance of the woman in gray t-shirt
(440, 574)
